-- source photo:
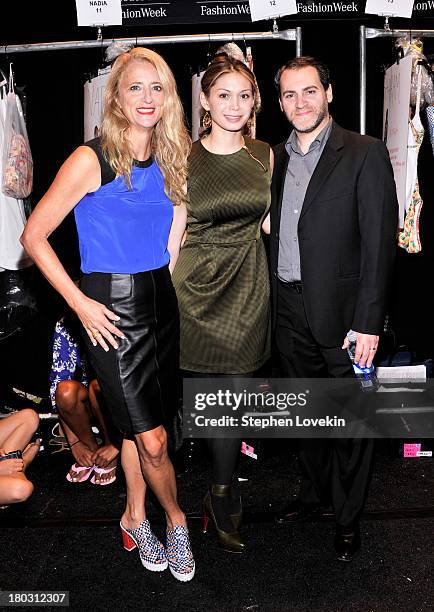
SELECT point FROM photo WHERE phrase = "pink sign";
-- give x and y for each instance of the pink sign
(412, 450)
(248, 450)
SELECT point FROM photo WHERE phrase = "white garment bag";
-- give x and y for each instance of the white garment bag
(12, 217)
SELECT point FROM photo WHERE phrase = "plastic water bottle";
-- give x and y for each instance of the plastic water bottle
(366, 376)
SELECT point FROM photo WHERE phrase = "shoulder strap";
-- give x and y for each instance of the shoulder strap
(107, 174)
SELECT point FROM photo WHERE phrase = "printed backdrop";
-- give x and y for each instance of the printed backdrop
(205, 11)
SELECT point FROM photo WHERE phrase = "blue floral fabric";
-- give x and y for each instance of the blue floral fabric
(68, 361)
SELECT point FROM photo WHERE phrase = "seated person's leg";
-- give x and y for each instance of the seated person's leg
(14, 488)
(77, 408)
(106, 455)
(72, 402)
(17, 429)
(15, 434)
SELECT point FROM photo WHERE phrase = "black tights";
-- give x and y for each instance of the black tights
(224, 452)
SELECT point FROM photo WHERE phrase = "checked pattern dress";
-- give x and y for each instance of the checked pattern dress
(221, 277)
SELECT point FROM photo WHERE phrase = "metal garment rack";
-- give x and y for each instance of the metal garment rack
(286, 35)
(289, 35)
(364, 34)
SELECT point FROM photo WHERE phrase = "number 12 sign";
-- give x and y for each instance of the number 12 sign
(269, 9)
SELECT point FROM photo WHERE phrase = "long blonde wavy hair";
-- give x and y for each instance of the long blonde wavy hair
(170, 143)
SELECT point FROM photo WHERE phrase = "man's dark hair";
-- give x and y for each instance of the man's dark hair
(304, 62)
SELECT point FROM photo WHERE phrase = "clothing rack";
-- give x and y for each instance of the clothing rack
(364, 34)
(289, 35)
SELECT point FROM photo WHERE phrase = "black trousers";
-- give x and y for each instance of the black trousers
(337, 470)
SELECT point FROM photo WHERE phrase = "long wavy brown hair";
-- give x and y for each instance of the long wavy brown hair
(170, 143)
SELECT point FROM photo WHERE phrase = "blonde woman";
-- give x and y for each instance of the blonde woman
(127, 191)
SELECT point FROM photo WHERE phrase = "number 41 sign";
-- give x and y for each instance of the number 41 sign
(395, 8)
(269, 9)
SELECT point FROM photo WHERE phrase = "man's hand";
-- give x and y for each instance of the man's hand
(366, 348)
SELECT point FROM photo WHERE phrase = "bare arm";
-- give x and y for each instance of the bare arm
(176, 233)
(79, 175)
(266, 223)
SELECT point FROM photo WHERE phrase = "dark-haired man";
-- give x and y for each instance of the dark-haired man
(333, 227)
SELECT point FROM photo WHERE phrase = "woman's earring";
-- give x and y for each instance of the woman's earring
(207, 121)
(249, 124)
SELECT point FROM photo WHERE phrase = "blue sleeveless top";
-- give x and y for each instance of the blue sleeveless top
(124, 231)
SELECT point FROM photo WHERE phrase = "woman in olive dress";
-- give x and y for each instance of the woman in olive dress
(221, 275)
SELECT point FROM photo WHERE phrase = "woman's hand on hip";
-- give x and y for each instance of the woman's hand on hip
(97, 321)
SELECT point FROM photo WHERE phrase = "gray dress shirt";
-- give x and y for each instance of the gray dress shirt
(300, 169)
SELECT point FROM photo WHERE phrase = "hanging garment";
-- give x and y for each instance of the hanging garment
(251, 125)
(408, 237)
(12, 217)
(196, 107)
(93, 103)
(17, 174)
(430, 121)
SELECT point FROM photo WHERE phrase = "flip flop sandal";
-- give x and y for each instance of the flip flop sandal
(78, 469)
(101, 471)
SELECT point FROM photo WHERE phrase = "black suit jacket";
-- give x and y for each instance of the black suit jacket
(346, 233)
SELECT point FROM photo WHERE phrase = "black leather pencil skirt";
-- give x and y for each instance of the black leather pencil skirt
(139, 379)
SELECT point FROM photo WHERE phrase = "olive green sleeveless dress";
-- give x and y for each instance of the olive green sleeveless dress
(221, 277)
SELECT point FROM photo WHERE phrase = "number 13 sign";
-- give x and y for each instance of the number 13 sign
(397, 8)
(269, 9)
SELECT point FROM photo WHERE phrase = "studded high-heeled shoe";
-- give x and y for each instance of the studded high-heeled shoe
(230, 539)
(178, 553)
(151, 550)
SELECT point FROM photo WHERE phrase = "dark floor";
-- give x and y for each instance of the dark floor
(66, 538)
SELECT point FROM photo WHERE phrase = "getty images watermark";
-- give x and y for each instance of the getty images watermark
(254, 400)
(306, 408)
